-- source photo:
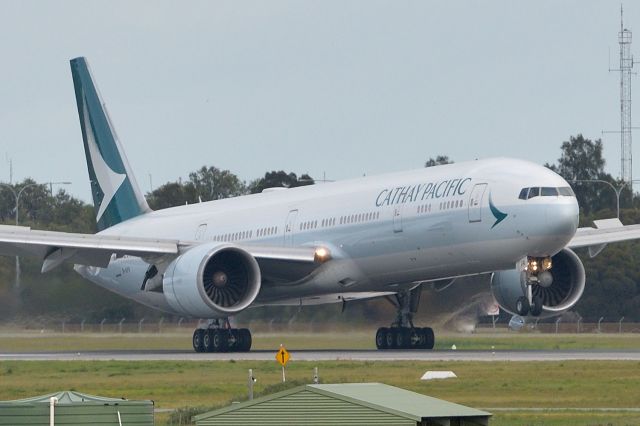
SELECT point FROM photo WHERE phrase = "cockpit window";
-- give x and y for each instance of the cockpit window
(523, 193)
(548, 192)
(526, 193)
(566, 191)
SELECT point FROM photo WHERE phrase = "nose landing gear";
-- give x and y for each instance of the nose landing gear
(536, 273)
(403, 334)
(218, 336)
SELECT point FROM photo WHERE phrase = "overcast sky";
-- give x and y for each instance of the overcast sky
(344, 88)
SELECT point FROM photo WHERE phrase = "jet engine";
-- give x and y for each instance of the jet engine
(560, 288)
(212, 280)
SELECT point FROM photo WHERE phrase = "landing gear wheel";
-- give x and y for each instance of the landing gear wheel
(536, 306)
(429, 338)
(198, 335)
(222, 340)
(233, 340)
(414, 338)
(422, 339)
(522, 306)
(244, 340)
(403, 338)
(403, 334)
(207, 341)
(219, 340)
(381, 338)
(391, 338)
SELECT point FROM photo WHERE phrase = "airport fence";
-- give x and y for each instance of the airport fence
(574, 327)
(184, 325)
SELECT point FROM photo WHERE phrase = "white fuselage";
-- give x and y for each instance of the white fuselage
(385, 232)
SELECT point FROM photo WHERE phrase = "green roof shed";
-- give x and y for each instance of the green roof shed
(73, 408)
(346, 404)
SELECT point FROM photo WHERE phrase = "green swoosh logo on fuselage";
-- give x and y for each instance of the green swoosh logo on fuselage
(500, 216)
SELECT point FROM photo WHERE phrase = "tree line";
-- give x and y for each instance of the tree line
(613, 277)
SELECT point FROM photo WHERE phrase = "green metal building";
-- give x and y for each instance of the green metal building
(73, 408)
(346, 404)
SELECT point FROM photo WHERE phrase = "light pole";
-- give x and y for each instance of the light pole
(56, 183)
(617, 190)
(17, 195)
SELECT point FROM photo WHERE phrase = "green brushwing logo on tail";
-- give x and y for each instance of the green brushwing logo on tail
(500, 216)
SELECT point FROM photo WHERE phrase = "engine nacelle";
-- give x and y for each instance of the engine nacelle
(559, 294)
(212, 280)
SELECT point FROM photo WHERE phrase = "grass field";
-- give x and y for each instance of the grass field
(516, 390)
(19, 341)
(575, 384)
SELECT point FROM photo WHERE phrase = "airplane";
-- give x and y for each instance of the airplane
(390, 236)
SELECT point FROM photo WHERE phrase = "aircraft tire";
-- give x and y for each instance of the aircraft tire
(219, 340)
(522, 306)
(536, 306)
(233, 340)
(207, 341)
(422, 338)
(198, 336)
(381, 338)
(391, 338)
(403, 338)
(244, 338)
(429, 338)
(415, 339)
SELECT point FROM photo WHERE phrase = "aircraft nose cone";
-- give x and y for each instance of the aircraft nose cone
(562, 219)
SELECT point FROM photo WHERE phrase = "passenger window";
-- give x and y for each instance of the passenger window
(549, 192)
(533, 192)
(523, 193)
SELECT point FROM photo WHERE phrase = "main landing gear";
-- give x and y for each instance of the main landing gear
(537, 274)
(220, 337)
(402, 334)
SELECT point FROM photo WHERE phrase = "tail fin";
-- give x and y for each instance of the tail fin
(116, 195)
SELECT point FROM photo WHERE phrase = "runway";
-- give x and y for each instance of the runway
(332, 355)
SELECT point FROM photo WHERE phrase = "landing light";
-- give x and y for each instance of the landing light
(322, 254)
(535, 264)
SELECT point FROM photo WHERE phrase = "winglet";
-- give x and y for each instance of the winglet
(116, 195)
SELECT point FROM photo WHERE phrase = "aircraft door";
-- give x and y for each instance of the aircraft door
(201, 232)
(475, 202)
(289, 228)
(397, 219)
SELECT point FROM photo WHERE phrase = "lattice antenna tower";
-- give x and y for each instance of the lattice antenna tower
(626, 70)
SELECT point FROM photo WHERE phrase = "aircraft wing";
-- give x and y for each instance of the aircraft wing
(54, 248)
(605, 231)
